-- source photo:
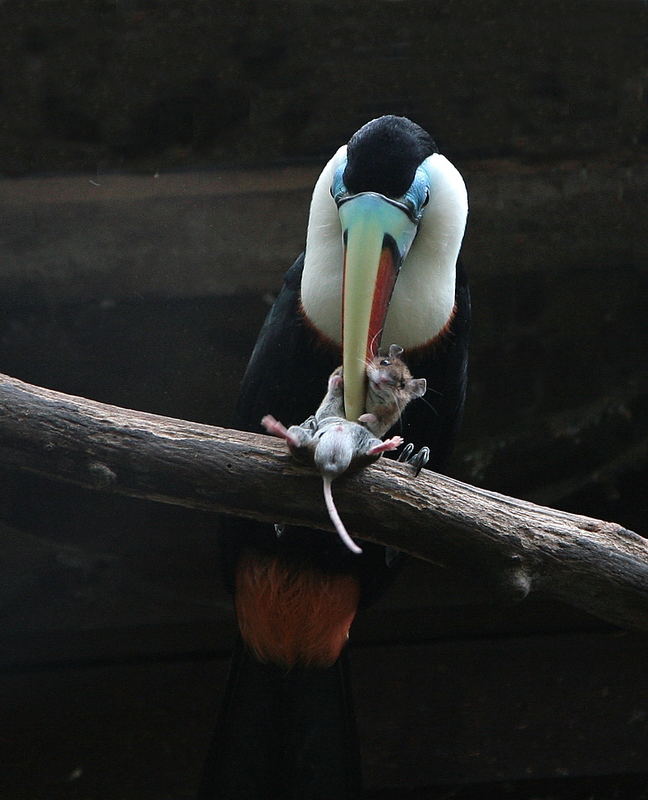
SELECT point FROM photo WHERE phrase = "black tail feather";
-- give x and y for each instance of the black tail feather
(284, 735)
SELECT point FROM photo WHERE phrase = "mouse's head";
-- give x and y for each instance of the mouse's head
(390, 379)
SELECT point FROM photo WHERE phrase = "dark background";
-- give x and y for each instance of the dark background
(156, 161)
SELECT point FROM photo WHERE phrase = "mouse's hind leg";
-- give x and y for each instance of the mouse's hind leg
(388, 444)
(292, 435)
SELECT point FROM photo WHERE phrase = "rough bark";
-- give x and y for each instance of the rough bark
(512, 545)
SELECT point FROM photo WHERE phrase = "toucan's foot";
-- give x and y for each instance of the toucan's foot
(417, 460)
(406, 453)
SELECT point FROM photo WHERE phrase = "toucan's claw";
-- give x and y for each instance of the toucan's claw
(406, 453)
(417, 460)
(420, 460)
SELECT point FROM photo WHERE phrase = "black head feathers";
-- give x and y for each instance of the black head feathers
(384, 155)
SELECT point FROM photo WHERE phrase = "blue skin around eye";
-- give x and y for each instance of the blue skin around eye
(414, 198)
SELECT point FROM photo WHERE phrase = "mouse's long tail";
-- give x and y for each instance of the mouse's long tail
(335, 517)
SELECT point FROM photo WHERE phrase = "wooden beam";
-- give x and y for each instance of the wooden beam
(511, 545)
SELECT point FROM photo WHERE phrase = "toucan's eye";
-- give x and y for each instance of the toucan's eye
(385, 362)
(427, 198)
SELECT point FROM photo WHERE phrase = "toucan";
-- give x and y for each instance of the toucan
(381, 265)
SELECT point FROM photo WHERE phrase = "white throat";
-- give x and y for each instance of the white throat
(423, 298)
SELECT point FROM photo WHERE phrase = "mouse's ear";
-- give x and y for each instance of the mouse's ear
(395, 350)
(417, 386)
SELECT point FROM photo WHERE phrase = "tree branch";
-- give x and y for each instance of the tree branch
(512, 545)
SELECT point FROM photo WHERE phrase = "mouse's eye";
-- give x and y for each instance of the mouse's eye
(385, 362)
(402, 384)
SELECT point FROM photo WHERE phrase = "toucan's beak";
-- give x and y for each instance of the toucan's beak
(378, 233)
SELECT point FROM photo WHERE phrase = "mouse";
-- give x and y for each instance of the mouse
(332, 444)
(390, 387)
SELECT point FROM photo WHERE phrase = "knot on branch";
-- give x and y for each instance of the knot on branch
(516, 580)
(101, 475)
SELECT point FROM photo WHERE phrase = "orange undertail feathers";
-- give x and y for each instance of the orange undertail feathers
(292, 615)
